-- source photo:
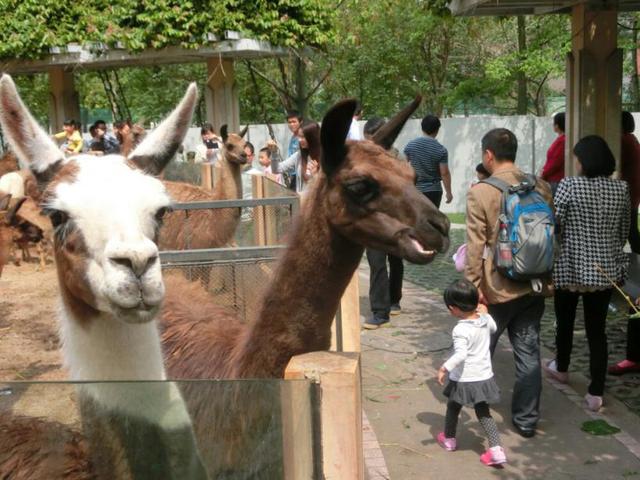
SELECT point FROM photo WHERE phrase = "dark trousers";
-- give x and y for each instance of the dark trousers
(633, 339)
(521, 318)
(435, 197)
(634, 235)
(595, 306)
(385, 286)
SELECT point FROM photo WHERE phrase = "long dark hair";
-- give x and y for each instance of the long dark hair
(311, 132)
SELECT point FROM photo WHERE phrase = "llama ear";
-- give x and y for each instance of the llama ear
(5, 198)
(11, 217)
(333, 134)
(159, 147)
(224, 132)
(33, 147)
(388, 133)
(244, 131)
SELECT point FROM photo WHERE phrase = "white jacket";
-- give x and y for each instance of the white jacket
(471, 361)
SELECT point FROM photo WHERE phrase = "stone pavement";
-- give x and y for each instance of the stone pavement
(405, 406)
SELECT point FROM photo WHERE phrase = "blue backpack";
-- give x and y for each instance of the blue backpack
(525, 247)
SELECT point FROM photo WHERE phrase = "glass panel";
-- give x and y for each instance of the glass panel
(156, 430)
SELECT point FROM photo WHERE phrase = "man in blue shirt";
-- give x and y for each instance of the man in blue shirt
(430, 161)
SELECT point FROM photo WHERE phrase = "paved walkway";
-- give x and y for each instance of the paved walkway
(405, 407)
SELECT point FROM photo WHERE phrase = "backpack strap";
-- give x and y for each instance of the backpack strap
(497, 183)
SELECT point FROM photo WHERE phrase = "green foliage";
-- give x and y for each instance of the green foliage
(599, 427)
(28, 28)
(547, 44)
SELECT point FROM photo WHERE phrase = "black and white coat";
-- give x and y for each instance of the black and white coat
(593, 216)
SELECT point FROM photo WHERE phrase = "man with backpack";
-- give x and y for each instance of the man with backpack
(509, 259)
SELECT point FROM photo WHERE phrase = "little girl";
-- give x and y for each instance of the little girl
(469, 369)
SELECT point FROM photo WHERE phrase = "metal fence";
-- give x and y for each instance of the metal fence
(236, 276)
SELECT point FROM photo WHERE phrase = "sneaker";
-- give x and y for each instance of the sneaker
(395, 309)
(594, 402)
(493, 457)
(449, 444)
(375, 323)
(625, 366)
(551, 369)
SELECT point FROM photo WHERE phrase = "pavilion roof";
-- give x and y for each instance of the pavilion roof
(531, 7)
(100, 56)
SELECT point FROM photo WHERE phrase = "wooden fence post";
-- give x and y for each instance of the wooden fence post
(338, 377)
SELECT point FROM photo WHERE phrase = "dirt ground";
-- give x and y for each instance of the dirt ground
(29, 346)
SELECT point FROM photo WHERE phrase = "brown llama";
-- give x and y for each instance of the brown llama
(363, 198)
(29, 227)
(7, 215)
(207, 228)
(111, 290)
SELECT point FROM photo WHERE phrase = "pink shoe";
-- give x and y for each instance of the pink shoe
(551, 369)
(493, 457)
(594, 402)
(625, 366)
(449, 444)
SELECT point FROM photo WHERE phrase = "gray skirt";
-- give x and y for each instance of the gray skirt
(470, 393)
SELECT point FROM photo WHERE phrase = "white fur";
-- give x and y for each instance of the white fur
(12, 183)
(110, 350)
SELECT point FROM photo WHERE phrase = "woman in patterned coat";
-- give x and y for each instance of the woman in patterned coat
(592, 212)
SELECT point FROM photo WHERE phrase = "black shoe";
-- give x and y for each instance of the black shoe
(375, 323)
(524, 432)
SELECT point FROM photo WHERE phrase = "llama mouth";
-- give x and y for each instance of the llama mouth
(418, 246)
(140, 313)
(415, 251)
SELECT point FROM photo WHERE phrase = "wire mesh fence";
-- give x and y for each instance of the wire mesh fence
(238, 285)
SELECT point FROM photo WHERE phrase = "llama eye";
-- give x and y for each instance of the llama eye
(57, 217)
(161, 213)
(362, 190)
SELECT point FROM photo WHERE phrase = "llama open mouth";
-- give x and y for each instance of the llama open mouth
(418, 246)
(414, 250)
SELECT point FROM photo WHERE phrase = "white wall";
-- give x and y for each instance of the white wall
(461, 137)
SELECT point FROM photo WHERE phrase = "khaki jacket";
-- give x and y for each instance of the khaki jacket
(483, 209)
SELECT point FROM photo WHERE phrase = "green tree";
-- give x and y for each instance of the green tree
(528, 52)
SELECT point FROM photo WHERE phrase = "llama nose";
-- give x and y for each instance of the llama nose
(136, 264)
(138, 258)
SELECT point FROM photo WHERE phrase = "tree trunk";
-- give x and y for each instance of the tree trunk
(522, 79)
(300, 95)
(635, 82)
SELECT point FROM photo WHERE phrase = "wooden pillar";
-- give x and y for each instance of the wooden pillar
(349, 319)
(64, 102)
(221, 95)
(594, 80)
(338, 376)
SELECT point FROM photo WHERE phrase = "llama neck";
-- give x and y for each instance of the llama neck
(299, 306)
(228, 183)
(106, 348)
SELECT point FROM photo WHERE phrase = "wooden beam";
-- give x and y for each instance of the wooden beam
(100, 56)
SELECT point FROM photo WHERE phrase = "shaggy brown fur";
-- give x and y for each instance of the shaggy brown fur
(208, 228)
(27, 451)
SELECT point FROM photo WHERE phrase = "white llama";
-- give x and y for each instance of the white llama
(106, 214)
